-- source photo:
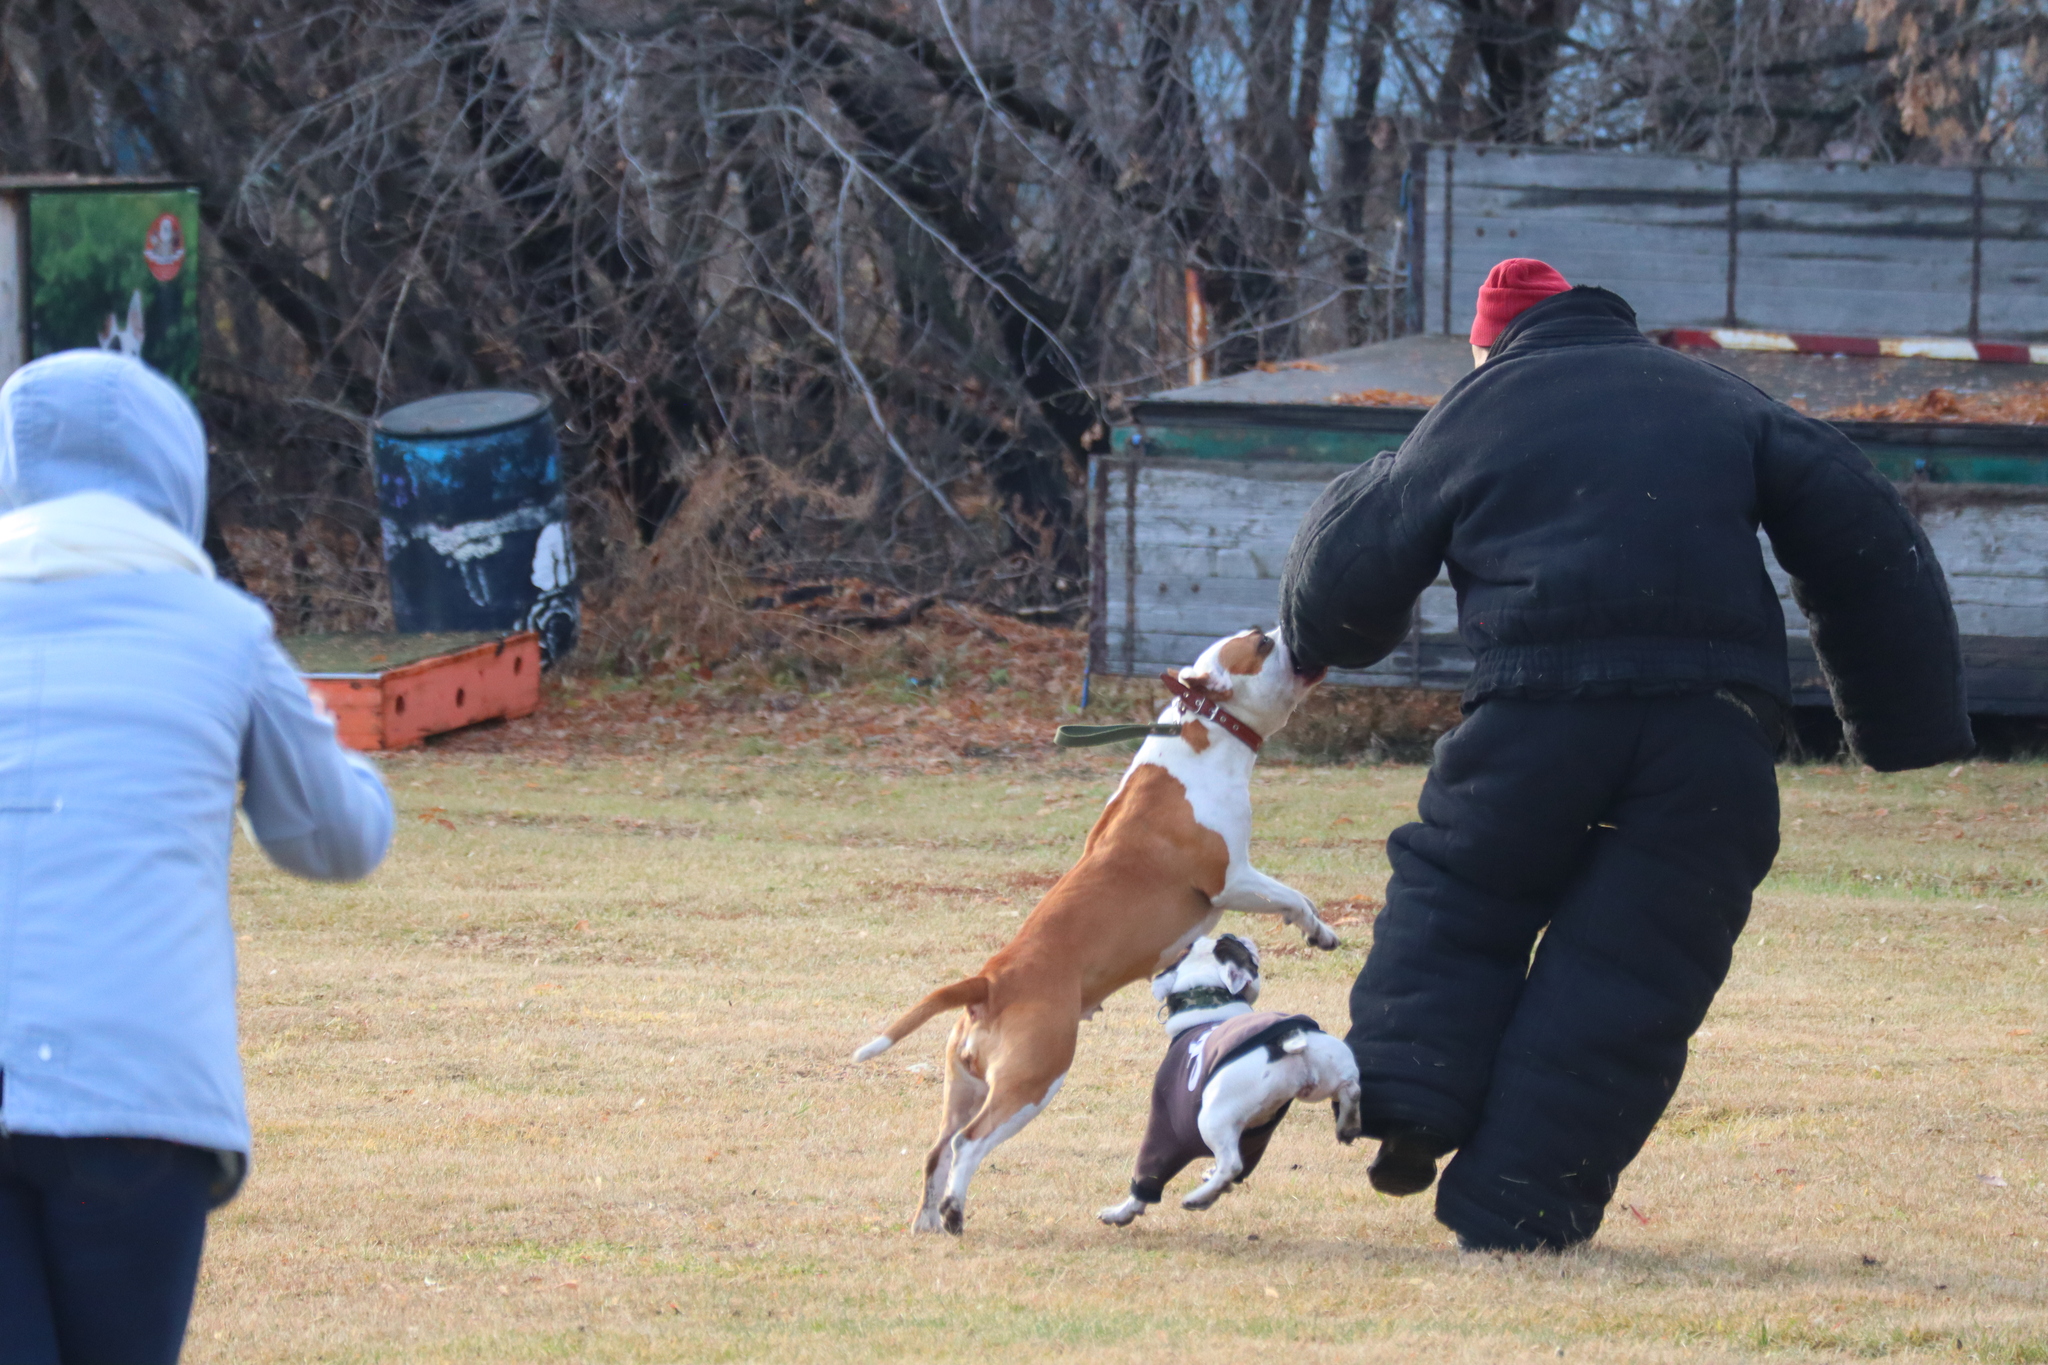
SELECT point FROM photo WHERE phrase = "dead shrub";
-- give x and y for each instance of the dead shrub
(679, 601)
(322, 577)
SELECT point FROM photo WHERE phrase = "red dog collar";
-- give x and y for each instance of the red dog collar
(1199, 703)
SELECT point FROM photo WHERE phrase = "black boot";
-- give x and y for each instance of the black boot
(1406, 1163)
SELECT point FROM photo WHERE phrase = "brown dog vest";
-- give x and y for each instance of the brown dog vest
(1173, 1137)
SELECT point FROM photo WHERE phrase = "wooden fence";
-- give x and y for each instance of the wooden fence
(1810, 246)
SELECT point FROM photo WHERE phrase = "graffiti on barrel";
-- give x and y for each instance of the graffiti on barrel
(476, 528)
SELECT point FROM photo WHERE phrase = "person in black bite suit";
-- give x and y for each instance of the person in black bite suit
(1612, 788)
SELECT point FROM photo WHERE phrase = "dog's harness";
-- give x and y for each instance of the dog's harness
(1193, 703)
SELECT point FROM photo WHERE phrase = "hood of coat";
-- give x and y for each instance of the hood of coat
(98, 422)
(1582, 315)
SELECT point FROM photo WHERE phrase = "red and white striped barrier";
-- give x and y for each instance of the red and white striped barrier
(1810, 343)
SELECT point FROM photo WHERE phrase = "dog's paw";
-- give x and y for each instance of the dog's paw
(1208, 1192)
(1350, 1124)
(953, 1216)
(1122, 1215)
(1323, 937)
(927, 1220)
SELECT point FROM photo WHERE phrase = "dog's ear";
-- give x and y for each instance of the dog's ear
(1211, 678)
(1241, 656)
(135, 316)
(1238, 959)
(1239, 949)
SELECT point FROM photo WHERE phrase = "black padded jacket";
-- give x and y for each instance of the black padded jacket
(1597, 499)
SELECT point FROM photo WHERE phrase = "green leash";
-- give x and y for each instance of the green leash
(1088, 736)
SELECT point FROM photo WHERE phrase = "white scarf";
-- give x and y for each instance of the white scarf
(87, 534)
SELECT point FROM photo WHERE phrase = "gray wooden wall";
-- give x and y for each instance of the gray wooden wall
(1198, 555)
(1802, 246)
(1188, 551)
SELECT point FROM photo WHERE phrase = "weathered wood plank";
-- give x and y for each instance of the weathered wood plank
(1598, 240)
(1595, 177)
(1866, 187)
(1445, 666)
(2015, 194)
(1614, 250)
(1850, 312)
(2010, 540)
(2000, 592)
(1996, 561)
(1658, 302)
(2014, 302)
(1898, 272)
(1217, 606)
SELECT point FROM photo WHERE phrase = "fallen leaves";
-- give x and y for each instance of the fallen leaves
(1382, 398)
(2021, 404)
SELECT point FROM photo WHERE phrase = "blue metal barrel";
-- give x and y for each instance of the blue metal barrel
(476, 528)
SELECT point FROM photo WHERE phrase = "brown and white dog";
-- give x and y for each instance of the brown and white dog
(1167, 857)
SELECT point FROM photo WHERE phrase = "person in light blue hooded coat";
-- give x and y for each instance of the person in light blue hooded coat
(136, 695)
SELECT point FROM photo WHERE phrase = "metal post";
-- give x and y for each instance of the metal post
(1098, 563)
(1734, 234)
(1450, 179)
(1976, 243)
(1131, 565)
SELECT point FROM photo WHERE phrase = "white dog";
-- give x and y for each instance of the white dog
(1229, 1076)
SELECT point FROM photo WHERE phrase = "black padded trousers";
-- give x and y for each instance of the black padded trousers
(1628, 833)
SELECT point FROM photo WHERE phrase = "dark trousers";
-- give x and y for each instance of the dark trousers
(99, 1247)
(1628, 833)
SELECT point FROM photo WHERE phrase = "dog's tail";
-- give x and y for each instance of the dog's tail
(972, 991)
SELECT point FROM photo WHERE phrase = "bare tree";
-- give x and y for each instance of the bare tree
(862, 285)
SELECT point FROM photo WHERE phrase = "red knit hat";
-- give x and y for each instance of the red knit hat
(1511, 288)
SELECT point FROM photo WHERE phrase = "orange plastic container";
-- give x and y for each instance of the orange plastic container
(399, 706)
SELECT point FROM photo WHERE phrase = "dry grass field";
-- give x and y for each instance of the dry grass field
(569, 1079)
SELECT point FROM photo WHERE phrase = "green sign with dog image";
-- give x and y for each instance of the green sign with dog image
(117, 269)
